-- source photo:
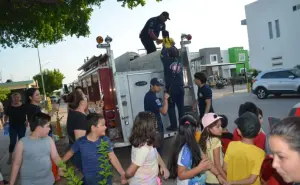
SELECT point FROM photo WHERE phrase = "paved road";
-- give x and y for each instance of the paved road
(277, 107)
(229, 105)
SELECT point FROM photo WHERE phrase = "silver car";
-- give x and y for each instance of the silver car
(277, 82)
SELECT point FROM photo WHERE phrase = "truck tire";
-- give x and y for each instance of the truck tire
(261, 93)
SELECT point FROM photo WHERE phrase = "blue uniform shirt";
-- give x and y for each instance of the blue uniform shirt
(153, 104)
(155, 24)
(204, 93)
(172, 67)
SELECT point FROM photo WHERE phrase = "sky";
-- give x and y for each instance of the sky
(212, 23)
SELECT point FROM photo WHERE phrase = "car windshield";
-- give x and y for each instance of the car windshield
(296, 72)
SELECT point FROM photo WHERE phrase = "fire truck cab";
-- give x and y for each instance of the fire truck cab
(123, 83)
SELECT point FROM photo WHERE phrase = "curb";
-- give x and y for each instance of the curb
(230, 93)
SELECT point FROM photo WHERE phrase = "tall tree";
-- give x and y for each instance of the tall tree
(3, 93)
(52, 79)
(34, 22)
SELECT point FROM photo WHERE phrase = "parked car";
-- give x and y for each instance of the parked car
(276, 82)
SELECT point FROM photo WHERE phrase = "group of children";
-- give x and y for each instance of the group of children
(216, 157)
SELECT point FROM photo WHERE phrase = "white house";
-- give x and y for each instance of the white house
(274, 33)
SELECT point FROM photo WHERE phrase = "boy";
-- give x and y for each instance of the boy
(227, 137)
(260, 139)
(34, 153)
(89, 145)
(243, 159)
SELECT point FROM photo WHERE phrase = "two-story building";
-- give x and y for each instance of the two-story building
(273, 32)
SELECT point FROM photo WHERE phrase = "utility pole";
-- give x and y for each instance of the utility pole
(41, 73)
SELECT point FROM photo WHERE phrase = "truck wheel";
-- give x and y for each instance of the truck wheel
(261, 93)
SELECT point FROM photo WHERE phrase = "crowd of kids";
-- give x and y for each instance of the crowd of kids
(204, 152)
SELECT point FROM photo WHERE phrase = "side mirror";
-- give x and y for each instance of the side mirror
(291, 77)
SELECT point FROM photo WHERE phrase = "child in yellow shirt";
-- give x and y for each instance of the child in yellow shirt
(243, 160)
(169, 45)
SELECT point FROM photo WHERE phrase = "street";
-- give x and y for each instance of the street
(228, 105)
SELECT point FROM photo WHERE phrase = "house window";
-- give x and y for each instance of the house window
(213, 58)
(277, 28)
(270, 30)
(296, 7)
(242, 57)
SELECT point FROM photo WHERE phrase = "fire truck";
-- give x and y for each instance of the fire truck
(123, 83)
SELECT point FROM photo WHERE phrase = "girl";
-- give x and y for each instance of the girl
(210, 144)
(15, 114)
(145, 158)
(187, 164)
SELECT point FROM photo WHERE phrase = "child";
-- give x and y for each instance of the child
(227, 137)
(210, 144)
(169, 45)
(145, 159)
(34, 153)
(260, 139)
(243, 160)
(187, 164)
(89, 145)
(198, 131)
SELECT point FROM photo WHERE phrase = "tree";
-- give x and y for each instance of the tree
(3, 93)
(33, 22)
(52, 80)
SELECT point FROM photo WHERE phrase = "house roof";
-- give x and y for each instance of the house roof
(11, 84)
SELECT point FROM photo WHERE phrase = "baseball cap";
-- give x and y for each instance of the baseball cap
(166, 15)
(156, 82)
(209, 118)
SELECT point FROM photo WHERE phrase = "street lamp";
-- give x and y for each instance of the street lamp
(41, 73)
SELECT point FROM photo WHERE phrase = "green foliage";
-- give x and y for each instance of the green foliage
(34, 22)
(52, 78)
(3, 93)
(105, 166)
(69, 174)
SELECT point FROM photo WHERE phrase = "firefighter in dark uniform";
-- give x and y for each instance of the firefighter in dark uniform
(151, 31)
(173, 73)
(154, 105)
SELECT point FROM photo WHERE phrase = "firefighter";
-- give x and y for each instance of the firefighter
(173, 73)
(154, 105)
(151, 31)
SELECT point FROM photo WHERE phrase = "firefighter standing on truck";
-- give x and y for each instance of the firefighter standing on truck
(154, 105)
(151, 31)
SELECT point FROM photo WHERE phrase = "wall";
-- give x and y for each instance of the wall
(238, 54)
(207, 52)
(264, 50)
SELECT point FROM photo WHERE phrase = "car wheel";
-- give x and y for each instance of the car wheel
(261, 93)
